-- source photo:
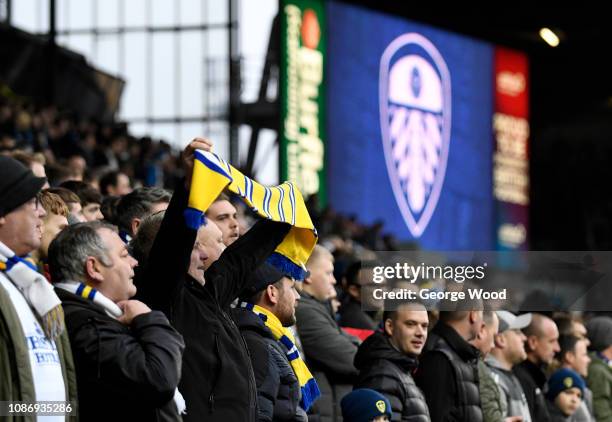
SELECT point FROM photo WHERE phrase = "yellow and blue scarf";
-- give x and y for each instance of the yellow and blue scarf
(91, 294)
(308, 385)
(283, 203)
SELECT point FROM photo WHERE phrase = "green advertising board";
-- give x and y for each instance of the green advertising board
(302, 95)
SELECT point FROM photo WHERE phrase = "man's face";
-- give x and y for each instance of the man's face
(52, 225)
(76, 211)
(92, 212)
(21, 229)
(476, 323)
(408, 331)
(123, 185)
(545, 346)
(364, 293)
(206, 250)
(321, 277)
(580, 331)
(515, 346)
(287, 302)
(223, 213)
(487, 336)
(569, 400)
(117, 279)
(579, 359)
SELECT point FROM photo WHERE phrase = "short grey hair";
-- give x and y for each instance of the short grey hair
(69, 251)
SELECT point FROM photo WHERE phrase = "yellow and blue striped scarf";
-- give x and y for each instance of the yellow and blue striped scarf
(283, 203)
(308, 385)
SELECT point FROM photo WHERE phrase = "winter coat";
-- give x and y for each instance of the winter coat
(513, 396)
(122, 371)
(329, 354)
(352, 316)
(278, 389)
(16, 382)
(533, 381)
(448, 376)
(218, 382)
(388, 371)
(600, 382)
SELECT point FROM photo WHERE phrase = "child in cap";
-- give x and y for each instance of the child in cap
(565, 391)
(365, 405)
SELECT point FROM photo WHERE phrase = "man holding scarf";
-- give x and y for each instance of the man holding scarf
(35, 358)
(285, 386)
(218, 381)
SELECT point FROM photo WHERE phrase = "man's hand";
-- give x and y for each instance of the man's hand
(188, 156)
(131, 309)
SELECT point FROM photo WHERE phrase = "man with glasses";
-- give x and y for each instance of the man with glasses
(35, 357)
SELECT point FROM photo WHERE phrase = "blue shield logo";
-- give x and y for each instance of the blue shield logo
(415, 120)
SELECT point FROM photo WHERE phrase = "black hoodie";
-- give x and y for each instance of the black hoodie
(385, 369)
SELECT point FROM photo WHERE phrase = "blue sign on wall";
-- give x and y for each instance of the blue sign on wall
(410, 128)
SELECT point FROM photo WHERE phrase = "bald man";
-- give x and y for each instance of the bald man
(541, 346)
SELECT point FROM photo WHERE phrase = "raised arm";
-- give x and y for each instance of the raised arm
(169, 256)
(228, 276)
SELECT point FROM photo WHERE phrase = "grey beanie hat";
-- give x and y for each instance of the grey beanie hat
(599, 331)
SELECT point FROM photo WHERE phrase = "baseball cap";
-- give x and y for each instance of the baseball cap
(509, 321)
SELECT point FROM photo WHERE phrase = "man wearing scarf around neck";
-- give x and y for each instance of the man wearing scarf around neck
(285, 386)
(35, 358)
(127, 357)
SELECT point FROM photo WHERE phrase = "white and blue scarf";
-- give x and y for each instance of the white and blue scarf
(36, 290)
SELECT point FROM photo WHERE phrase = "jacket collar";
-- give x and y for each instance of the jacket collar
(536, 372)
(378, 346)
(464, 349)
(247, 320)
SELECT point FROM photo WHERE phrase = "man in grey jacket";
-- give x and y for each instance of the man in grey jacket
(329, 351)
(509, 351)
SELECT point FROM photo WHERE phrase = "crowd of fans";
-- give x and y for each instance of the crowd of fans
(110, 302)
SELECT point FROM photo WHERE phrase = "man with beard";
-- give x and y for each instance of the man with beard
(387, 359)
(267, 308)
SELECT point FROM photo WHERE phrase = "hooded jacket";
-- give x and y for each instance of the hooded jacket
(388, 371)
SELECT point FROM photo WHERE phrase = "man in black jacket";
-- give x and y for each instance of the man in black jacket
(357, 277)
(127, 357)
(218, 382)
(278, 389)
(541, 345)
(448, 372)
(388, 359)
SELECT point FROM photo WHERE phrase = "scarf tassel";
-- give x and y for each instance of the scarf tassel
(52, 322)
(310, 393)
